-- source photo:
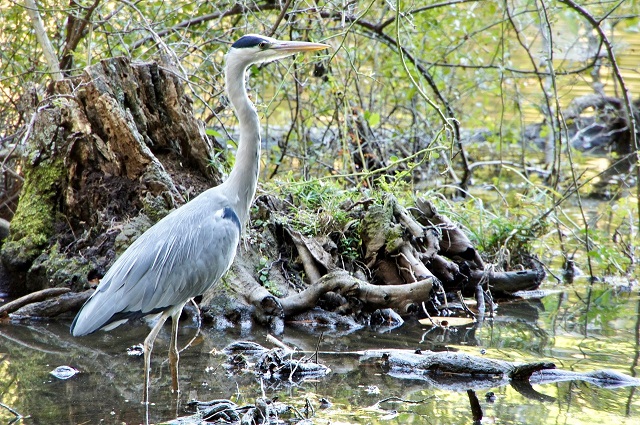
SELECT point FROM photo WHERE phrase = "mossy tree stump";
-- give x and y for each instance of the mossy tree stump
(104, 152)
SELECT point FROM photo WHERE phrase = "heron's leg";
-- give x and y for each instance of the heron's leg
(174, 356)
(148, 347)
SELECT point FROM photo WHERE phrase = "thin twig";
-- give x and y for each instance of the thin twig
(276, 24)
(14, 412)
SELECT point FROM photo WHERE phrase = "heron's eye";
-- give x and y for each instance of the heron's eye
(263, 45)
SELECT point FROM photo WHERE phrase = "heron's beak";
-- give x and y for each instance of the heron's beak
(290, 47)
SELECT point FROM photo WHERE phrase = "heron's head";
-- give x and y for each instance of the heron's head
(252, 48)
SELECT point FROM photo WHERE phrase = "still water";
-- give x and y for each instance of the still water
(580, 327)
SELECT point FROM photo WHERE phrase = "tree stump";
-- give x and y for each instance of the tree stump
(106, 157)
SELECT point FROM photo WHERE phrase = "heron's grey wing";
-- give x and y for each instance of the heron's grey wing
(175, 260)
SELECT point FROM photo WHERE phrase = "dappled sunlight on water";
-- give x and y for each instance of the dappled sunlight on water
(579, 328)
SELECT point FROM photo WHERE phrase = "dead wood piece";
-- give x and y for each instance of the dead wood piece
(524, 371)
(387, 318)
(386, 271)
(443, 269)
(596, 101)
(311, 254)
(404, 218)
(404, 298)
(431, 246)
(244, 347)
(254, 293)
(216, 411)
(507, 283)
(101, 134)
(264, 411)
(380, 233)
(444, 362)
(453, 363)
(69, 301)
(319, 318)
(337, 281)
(453, 243)
(277, 364)
(605, 378)
(34, 297)
(411, 268)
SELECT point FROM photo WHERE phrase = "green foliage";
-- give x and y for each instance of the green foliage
(498, 228)
(317, 206)
(263, 277)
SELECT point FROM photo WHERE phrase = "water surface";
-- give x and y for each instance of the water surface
(579, 327)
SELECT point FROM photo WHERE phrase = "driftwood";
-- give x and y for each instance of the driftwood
(69, 301)
(263, 411)
(451, 363)
(31, 298)
(453, 371)
(402, 297)
(605, 132)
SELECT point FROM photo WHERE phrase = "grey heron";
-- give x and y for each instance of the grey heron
(189, 250)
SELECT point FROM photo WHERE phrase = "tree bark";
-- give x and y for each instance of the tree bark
(100, 166)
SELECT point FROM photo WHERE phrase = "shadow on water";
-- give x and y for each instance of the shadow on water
(580, 328)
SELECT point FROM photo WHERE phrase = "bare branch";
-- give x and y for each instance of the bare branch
(237, 9)
(43, 39)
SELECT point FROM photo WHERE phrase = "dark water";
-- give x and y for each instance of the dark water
(580, 328)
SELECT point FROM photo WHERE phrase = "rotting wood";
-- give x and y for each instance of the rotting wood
(461, 371)
(93, 162)
(453, 242)
(69, 301)
(451, 363)
(33, 297)
(401, 297)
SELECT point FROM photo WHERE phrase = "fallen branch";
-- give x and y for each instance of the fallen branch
(508, 282)
(53, 306)
(451, 363)
(14, 305)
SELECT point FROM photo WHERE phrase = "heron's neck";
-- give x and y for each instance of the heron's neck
(243, 180)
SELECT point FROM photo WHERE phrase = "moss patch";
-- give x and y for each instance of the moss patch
(55, 269)
(32, 225)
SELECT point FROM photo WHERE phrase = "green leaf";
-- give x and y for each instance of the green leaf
(372, 118)
(213, 133)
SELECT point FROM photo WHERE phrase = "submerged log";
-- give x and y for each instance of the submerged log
(449, 363)
(460, 371)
